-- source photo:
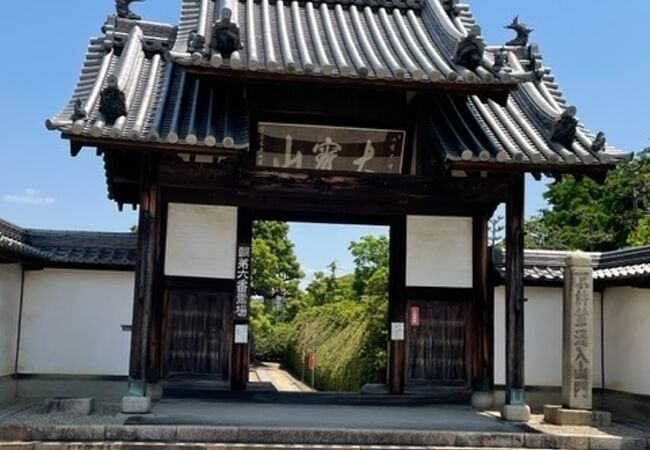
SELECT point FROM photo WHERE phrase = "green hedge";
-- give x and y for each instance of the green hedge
(350, 342)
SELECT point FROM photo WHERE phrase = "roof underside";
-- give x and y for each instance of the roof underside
(167, 104)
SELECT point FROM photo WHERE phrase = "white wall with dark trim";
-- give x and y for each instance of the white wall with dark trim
(71, 322)
(627, 340)
(10, 287)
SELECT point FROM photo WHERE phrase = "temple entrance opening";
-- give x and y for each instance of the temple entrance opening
(319, 306)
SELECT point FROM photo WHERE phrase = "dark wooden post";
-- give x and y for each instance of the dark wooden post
(515, 383)
(481, 375)
(240, 358)
(148, 258)
(397, 305)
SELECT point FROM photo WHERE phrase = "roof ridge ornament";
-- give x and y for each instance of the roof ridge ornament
(522, 30)
(566, 127)
(501, 60)
(123, 9)
(452, 8)
(600, 143)
(196, 42)
(79, 111)
(225, 35)
(470, 49)
(112, 102)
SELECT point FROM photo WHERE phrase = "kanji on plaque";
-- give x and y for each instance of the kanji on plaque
(242, 281)
(326, 148)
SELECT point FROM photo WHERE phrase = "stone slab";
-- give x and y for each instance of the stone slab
(482, 401)
(136, 405)
(69, 405)
(515, 413)
(557, 415)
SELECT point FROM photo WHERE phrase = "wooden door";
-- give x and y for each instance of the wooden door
(197, 333)
(437, 345)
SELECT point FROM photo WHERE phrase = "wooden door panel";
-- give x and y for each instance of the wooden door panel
(197, 333)
(437, 347)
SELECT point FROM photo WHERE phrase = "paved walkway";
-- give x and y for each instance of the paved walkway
(281, 379)
(434, 417)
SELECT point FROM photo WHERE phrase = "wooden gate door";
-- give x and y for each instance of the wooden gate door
(196, 333)
(437, 342)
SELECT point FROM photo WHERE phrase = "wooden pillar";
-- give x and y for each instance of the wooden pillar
(481, 323)
(397, 305)
(147, 266)
(240, 357)
(515, 383)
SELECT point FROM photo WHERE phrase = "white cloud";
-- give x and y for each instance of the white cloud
(29, 197)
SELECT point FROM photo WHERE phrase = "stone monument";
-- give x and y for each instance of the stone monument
(577, 347)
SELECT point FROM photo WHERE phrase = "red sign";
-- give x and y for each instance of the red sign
(312, 361)
(415, 316)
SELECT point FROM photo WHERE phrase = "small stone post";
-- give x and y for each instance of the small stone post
(577, 332)
(577, 348)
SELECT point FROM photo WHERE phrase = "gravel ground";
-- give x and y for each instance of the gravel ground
(105, 413)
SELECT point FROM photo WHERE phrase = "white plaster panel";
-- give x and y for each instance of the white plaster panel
(72, 322)
(439, 251)
(201, 241)
(10, 286)
(627, 340)
(543, 337)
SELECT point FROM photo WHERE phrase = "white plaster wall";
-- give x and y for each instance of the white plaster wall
(627, 340)
(201, 241)
(10, 285)
(439, 251)
(72, 322)
(543, 337)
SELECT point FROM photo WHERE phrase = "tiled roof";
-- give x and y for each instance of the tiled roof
(168, 105)
(335, 39)
(49, 247)
(471, 129)
(544, 266)
(164, 103)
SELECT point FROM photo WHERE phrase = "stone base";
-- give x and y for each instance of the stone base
(482, 400)
(577, 417)
(67, 405)
(515, 413)
(154, 391)
(136, 405)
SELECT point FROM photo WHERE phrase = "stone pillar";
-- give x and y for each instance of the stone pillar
(577, 332)
(577, 348)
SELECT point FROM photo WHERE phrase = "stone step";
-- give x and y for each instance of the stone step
(201, 446)
(242, 438)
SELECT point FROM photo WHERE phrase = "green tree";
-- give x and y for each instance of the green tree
(589, 216)
(327, 287)
(370, 254)
(276, 270)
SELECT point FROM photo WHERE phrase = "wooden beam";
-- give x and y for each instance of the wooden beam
(481, 318)
(145, 281)
(240, 356)
(397, 305)
(515, 295)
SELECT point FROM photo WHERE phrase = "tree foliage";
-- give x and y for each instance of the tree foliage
(370, 253)
(589, 216)
(276, 270)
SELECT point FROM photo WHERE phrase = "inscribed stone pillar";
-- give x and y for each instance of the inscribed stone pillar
(577, 341)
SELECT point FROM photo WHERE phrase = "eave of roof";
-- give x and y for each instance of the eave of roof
(171, 107)
(67, 248)
(547, 267)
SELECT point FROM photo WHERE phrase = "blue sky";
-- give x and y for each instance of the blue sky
(598, 49)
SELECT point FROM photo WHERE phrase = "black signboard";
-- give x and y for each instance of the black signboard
(316, 147)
